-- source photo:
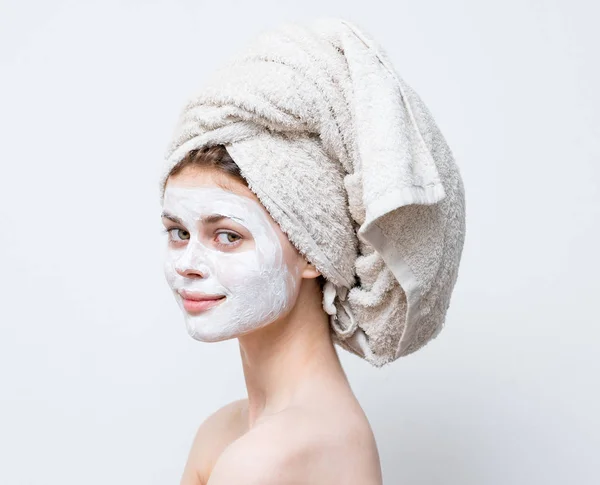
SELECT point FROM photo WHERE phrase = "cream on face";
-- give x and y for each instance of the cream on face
(202, 258)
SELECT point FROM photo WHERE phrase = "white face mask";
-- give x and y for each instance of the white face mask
(250, 272)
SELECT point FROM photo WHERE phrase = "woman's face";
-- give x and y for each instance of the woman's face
(224, 244)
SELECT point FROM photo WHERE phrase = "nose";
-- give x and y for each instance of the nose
(201, 272)
(192, 264)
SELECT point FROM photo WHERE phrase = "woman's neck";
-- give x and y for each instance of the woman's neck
(289, 356)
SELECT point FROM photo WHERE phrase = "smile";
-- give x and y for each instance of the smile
(198, 306)
(199, 303)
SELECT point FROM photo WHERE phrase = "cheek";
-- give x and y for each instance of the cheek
(292, 262)
(238, 270)
(169, 267)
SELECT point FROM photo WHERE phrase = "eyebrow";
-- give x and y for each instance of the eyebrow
(171, 217)
(210, 219)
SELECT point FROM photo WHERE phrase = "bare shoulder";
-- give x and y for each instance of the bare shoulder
(303, 445)
(215, 433)
(221, 426)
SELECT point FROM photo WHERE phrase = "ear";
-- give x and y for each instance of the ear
(310, 271)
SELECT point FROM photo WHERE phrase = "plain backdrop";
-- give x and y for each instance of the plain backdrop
(99, 381)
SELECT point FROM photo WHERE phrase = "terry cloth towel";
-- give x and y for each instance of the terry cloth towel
(350, 163)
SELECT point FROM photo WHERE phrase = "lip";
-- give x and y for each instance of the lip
(199, 302)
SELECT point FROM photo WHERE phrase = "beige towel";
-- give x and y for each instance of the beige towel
(350, 163)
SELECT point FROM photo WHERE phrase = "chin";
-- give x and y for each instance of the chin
(202, 334)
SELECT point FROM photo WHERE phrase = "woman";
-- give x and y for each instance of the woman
(301, 422)
(310, 200)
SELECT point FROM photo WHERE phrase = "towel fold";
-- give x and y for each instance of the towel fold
(350, 163)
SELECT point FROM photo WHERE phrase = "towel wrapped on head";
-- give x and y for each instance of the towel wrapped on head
(349, 162)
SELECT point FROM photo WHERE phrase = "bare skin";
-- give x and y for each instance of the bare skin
(301, 422)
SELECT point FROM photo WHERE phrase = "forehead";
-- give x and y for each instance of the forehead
(199, 187)
(207, 199)
(193, 176)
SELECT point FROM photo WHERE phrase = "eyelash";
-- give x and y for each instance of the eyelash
(219, 244)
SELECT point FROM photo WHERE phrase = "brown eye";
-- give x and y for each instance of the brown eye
(227, 238)
(182, 234)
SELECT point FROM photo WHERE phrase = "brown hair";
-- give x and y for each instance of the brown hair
(210, 157)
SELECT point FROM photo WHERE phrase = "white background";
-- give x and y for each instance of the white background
(99, 381)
